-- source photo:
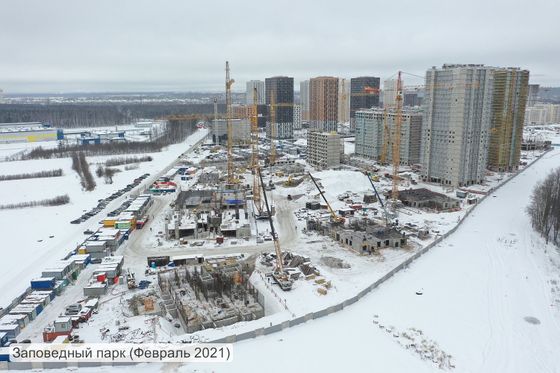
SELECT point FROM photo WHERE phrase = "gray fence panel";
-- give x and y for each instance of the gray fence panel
(297, 321)
(272, 329)
(321, 313)
(246, 335)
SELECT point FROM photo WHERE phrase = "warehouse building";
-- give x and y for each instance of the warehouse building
(28, 132)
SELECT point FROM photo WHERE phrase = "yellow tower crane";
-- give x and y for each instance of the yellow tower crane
(255, 154)
(273, 126)
(397, 142)
(229, 83)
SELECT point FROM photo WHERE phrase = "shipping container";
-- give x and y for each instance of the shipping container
(43, 283)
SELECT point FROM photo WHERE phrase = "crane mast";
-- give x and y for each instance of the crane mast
(397, 142)
(255, 153)
(229, 83)
(272, 157)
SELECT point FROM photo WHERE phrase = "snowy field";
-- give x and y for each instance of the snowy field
(26, 233)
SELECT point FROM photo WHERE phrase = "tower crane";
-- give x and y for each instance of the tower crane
(229, 83)
(273, 127)
(334, 217)
(255, 154)
(278, 274)
(397, 142)
(386, 138)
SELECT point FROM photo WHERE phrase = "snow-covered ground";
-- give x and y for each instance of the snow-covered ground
(479, 288)
(26, 241)
(490, 302)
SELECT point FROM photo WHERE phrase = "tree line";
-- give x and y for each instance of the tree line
(32, 175)
(119, 161)
(96, 115)
(544, 207)
(56, 201)
(80, 165)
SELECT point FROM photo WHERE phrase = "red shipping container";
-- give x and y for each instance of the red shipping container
(101, 277)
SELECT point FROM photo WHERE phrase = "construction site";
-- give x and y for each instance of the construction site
(214, 294)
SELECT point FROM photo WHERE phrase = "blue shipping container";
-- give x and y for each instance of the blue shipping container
(43, 283)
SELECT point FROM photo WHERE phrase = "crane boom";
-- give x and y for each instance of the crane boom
(334, 216)
(380, 200)
(283, 280)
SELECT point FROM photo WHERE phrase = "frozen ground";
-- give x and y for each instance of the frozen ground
(26, 242)
(490, 299)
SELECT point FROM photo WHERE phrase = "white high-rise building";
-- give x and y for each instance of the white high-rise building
(323, 149)
(390, 93)
(304, 98)
(343, 100)
(297, 117)
(462, 106)
(250, 86)
(372, 141)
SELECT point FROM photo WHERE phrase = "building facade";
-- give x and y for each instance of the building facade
(241, 131)
(511, 88)
(372, 140)
(540, 114)
(323, 101)
(390, 93)
(297, 117)
(250, 86)
(343, 101)
(456, 124)
(304, 100)
(463, 106)
(280, 103)
(323, 149)
(533, 95)
(364, 94)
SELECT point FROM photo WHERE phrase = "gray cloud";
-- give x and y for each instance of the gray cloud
(107, 45)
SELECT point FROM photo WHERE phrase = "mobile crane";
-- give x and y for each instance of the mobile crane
(334, 217)
(281, 278)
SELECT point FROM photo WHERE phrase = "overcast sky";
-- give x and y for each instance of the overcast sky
(182, 45)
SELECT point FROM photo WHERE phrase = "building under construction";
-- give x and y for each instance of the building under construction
(213, 294)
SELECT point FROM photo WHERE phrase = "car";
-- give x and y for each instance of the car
(77, 221)
(96, 261)
(89, 231)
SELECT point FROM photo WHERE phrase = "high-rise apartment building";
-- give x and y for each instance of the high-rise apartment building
(250, 86)
(511, 87)
(304, 100)
(280, 89)
(461, 104)
(542, 114)
(323, 149)
(533, 94)
(364, 94)
(323, 102)
(297, 117)
(343, 100)
(372, 141)
(390, 93)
